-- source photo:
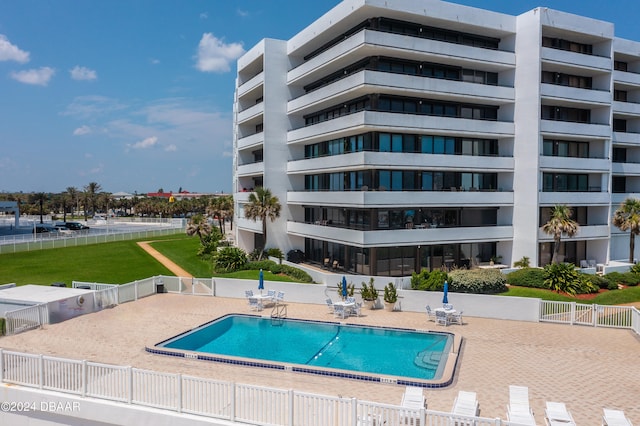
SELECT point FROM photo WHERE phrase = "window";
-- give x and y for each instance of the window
(560, 148)
(571, 46)
(620, 95)
(619, 184)
(561, 182)
(577, 115)
(620, 66)
(561, 79)
(619, 125)
(619, 155)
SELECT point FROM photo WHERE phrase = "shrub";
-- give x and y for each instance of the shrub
(295, 273)
(478, 281)
(522, 263)
(229, 259)
(600, 282)
(2, 326)
(265, 265)
(527, 277)
(275, 252)
(626, 278)
(351, 288)
(635, 268)
(430, 281)
(368, 291)
(390, 293)
(209, 244)
(563, 277)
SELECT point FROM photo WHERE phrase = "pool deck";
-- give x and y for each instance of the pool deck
(586, 368)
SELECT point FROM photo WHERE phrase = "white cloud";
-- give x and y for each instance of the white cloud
(154, 61)
(243, 13)
(85, 107)
(204, 15)
(171, 148)
(83, 73)
(11, 52)
(40, 76)
(82, 130)
(145, 143)
(214, 55)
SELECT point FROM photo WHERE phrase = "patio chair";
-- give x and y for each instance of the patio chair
(340, 311)
(556, 414)
(351, 300)
(584, 264)
(456, 318)
(466, 404)
(447, 306)
(356, 310)
(518, 410)
(442, 318)
(255, 304)
(431, 316)
(279, 297)
(330, 305)
(248, 293)
(614, 418)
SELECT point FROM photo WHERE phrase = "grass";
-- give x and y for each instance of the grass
(182, 250)
(613, 297)
(112, 263)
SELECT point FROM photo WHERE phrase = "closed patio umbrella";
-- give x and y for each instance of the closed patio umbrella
(344, 287)
(261, 282)
(445, 299)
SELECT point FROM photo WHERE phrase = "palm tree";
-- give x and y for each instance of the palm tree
(220, 207)
(560, 223)
(199, 226)
(92, 191)
(72, 192)
(627, 218)
(262, 205)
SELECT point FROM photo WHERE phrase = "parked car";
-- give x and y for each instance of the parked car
(74, 226)
(45, 228)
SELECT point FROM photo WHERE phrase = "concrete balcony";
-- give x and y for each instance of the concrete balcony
(365, 82)
(575, 198)
(627, 169)
(617, 199)
(405, 161)
(252, 113)
(574, 94)
(249, 225)
(567, 129)
(392, 122)
(249, 88)
(627, 78)
(578, 60)
(626, 108)
(251, 141)
(586, 232)
(400, 237)
(366, 43)
(391, 199)
(251, 169)
(575, 164)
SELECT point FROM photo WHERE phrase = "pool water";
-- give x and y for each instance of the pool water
(376, 350)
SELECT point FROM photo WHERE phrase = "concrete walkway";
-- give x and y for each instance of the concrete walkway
(168, 263)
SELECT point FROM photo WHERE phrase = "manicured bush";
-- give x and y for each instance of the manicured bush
(477, 281)
(527, 277)
(265, 265)
(2, 325)
(295, 273)
(430, 281)
(600, 281)
(522, 263)
(565, 278)
(275, 252)
(625, 278)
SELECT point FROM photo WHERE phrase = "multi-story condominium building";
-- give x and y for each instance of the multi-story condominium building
(420, 134)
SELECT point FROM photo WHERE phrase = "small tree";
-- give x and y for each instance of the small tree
(560, 223)
(199, 226)
(262, 205)
(627, 218)
(563, 277)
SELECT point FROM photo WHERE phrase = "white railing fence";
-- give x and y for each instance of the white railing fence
(212, 398)
(592, 315)
(28, 318)
(91, 286)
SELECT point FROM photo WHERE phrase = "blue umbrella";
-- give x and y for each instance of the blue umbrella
(446, 290)
(261, 282)
(344, 287)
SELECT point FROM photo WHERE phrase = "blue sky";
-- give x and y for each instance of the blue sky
(137, 95)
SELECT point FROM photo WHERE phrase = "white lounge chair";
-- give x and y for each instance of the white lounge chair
(466, 404)
(456, 318)
(556, 414)
(442, 318)
(279, 297)
(413, 398)
(356, 310)
(614, 418)
(518, 410)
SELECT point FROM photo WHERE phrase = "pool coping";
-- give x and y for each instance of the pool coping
(446, 378)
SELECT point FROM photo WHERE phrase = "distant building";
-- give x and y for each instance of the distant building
(407, 135)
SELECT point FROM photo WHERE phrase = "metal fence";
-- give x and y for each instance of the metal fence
(592, 315)
(212, 398)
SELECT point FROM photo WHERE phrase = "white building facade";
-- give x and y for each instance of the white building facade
(412, 134)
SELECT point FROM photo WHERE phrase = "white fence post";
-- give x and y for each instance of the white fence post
(291, 399)
(232, 414)
(354, 411)
(573, 313)
(130, 377)
(84, 378)
(41, 371)
(1, 366)
(179, 377)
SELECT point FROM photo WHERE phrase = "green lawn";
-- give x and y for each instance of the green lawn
(182, 249)
(613, 297)
(113, 263)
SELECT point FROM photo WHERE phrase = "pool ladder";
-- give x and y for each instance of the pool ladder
(279, 312)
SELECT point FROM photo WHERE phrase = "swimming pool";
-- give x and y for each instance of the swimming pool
(366, 353)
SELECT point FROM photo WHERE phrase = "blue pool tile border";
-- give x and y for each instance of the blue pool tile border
(306, 370)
